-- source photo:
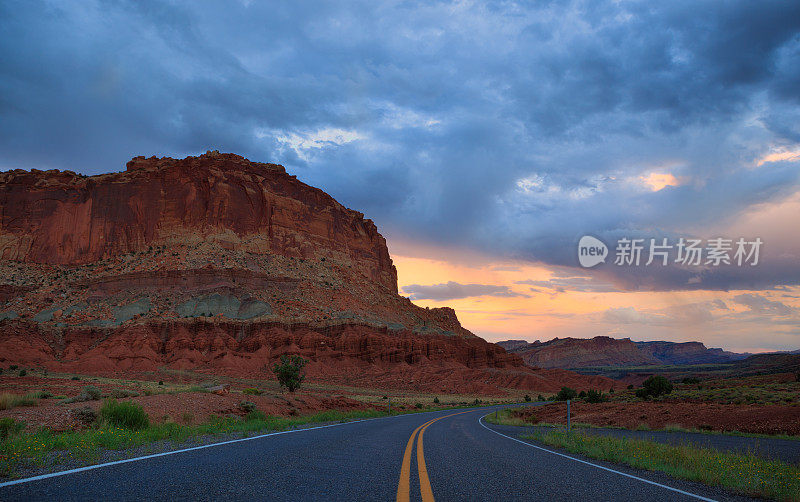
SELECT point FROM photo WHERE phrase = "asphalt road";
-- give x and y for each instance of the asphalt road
(377, 459)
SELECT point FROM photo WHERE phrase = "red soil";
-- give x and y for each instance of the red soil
(761, 419)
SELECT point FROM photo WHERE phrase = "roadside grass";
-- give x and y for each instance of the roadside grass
(505, 417)
(37, 447)
(744, 474)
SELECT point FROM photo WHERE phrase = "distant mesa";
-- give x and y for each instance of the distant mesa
(218, 264)
(605, 351)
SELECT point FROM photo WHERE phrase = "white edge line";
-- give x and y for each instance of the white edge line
(173, 452)
(480, 421)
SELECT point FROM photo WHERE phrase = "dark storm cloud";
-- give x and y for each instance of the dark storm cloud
(505, 128)
(453, 290)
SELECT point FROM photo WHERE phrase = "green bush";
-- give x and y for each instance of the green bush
(122, 393)
(540, 398)
(642, 393)
(23, 372)
(566, 393)
(527, 398)
(42, 394)
(418, 406)
(247, 406)
(10, 427)
(250, 391)
(436, 400)
(655, 386)
(126, 414)
(595, 396)
(289, 372)
(630, 387)
(690, 380)
(75, 378)
(13, 367)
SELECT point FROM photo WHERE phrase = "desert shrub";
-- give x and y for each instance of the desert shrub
(255, 415)
(418, 406)
(611, 390)
(289, 372)
(23, 372)
(656, 385)
(161, 382)
(42, 394)
(540, 398)
(385, 397)
(630, 387)
(88, 393)
(125, 414)
(595, 396)
(247, 406)
(566, 393)
(642, 393)
(690, 380)
(75, 378)
(187, 417)
(477, 402)
(122, 393)
(85, 415)
(436, 400)
(13, 367)
(527, 398)
(9, 427)
(251, 391)
(582, 394)
(8, 401)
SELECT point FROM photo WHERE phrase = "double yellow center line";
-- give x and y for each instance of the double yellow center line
(404, 485)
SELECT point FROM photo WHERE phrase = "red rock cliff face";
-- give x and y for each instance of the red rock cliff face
(217, 264)
(64, 218)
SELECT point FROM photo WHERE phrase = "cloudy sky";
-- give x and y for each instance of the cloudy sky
(484, 138)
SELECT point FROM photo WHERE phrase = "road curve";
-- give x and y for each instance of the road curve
(458, 457)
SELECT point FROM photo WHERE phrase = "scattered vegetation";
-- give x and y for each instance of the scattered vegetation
(289, 372)
(125, 414)
(745, 474)
(88, 393)
(251, 391)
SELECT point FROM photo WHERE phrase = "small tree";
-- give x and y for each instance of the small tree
(527, 398)
(595, 396)
(566, 393)
(289, 372)
(657, 385)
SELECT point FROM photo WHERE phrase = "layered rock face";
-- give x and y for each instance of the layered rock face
(606, 351)
(67, 219)
(218, 264)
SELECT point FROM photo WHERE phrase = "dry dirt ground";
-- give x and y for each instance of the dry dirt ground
(760, 419)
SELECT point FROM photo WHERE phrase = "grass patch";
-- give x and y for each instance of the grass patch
(34, 448)
(8, 401)
(744, 474)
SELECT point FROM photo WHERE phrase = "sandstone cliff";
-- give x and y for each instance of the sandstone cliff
(218, 264)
